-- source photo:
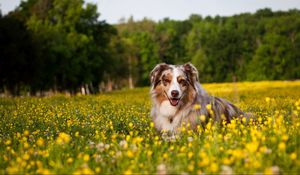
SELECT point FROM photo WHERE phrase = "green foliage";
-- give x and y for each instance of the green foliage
(170, 36)
(68, 48)
(142, 48)
(71, 44)
(19, 67)
(148, 52)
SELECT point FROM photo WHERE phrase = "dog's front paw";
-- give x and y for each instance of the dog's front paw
(169, 136)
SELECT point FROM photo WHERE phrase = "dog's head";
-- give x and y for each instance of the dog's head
(173, 82)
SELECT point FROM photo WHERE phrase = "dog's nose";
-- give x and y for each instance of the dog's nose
(174, 93)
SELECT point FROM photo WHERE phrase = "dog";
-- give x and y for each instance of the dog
(178, 98)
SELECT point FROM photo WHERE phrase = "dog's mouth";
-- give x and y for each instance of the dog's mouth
(174, 101)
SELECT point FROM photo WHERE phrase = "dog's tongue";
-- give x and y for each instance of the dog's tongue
(174, 101)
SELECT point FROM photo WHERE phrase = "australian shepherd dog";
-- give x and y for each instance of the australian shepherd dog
(178, 98)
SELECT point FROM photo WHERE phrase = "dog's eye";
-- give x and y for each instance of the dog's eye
(166, 81)
(182, 82)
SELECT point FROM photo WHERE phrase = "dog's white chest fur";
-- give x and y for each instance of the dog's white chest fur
(166, 109)
(167, 117)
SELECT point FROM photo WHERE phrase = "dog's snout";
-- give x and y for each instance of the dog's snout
(174, 93)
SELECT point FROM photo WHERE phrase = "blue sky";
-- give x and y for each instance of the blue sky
(113, 10)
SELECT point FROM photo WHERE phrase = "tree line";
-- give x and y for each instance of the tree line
(62, 46)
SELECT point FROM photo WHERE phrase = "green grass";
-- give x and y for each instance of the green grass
(112, 133)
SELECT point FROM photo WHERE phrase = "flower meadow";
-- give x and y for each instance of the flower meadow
(113, 133)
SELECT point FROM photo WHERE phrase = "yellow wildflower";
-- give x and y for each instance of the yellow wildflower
(63, 138)
(190, 155)
(98, 170)
(130, 124)
(26, 133)
(130, 154)
(40, 142)
(293, 156)
(197, 107)
(26, 156)
(149, 153)
(151, 124)
(208, 106)
(281, 146)
(70, 160)
(127, 172)
(202, 118)
(7, 142)
(214, 167)
(86, 157)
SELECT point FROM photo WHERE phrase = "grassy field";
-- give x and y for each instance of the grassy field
(113, 133)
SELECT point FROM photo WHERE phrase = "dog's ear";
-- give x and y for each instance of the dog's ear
(191, 73)
(156, 73)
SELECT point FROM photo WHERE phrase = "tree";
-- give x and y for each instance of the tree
(142, 49)
(73, 42)
(62, 46)
(148, 56)
(18, 64)
(170, 35)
